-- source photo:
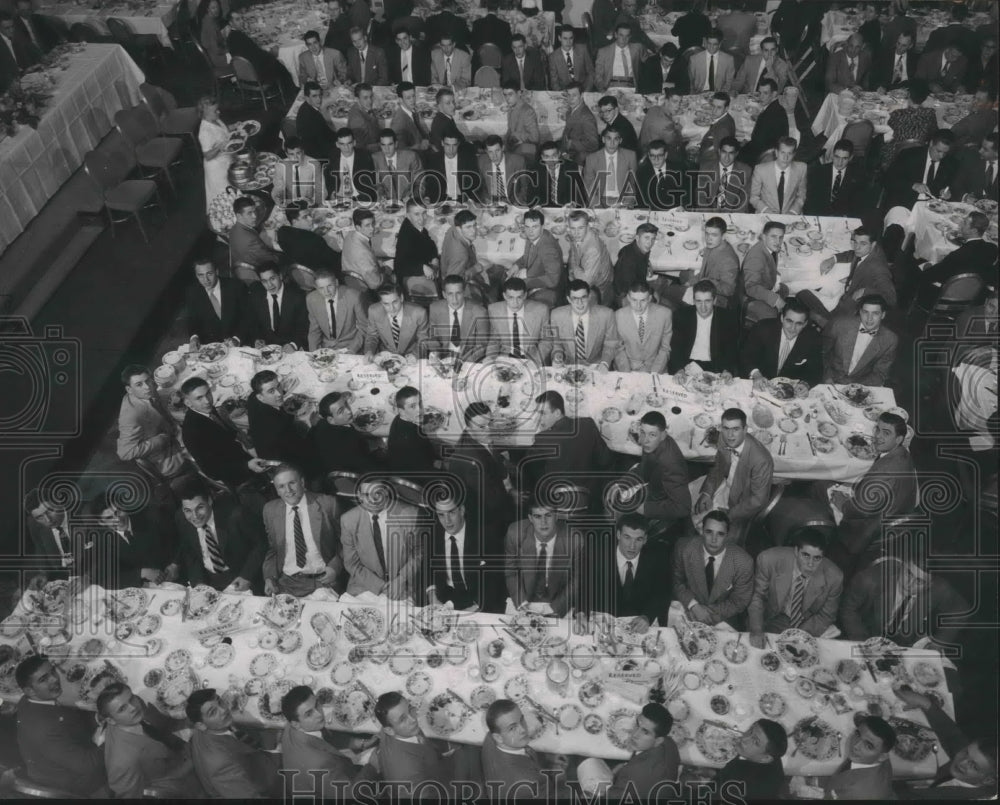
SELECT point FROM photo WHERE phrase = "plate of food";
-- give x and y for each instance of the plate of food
(507, 372)
(772, 704)
(124, 605)
(324, 358)
(363, 624)
(235, 144)
(262, 665)
(926, 674)
(823, 445)
(367, 419)
(593, 724)
(482, 697)
(857, 395)
(860, 446)
(435, 622)
(221, 655)
(248, 128)
(835, 412)
(177, 659)
(611, 414)
(353, 707)
(793, 410)
(716, 672)
(591, 693)
(529, 628)
(678, 709)
(872, 412)
(517, 688)
(577, 376)
(691, 244)
(828, 429)
(848, 671)
(319, 656)
(805, 687)
(282, 610)
(172, 607)
(716, 742)
(698, 642)
(174, 689)
(619, 726)
(447, 713)
(202, 602)
(940, 207)
(798, 648)
(735, 651)
(290, 641)
(787, 425)
(785, 388)
(703, 420)
(913, 741)
(816, 739)
(433, 419)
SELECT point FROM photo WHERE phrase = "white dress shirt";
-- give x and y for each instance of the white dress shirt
(621, 69)
(859, 349)
(702, 349)
(785, 347)
(734, 461)
(623, 565)
(347, 173)
(314, 560)
(451, 176)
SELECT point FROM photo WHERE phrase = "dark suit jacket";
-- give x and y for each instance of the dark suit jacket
(274, 435)
(849, 201)
(57, 747)
(981, 76)
(651, 591)
(875, 365)
(874, 782)
(441, 124)
(201, 318)
(318, 140)
(661, 194)
(772, 123)
(751, 485)
(410, 451)
(434, 186)
(732, 585)
(665, 474)
(420, 65)
(977, 256)
(230, 769)
(413, 250)
(47, 35)
(760, 351)
(473, 329)
(9, 68)
(113, 563)
(293, 322)
(482, 563)
(929, 69)
(652, 79)
(338, 35)
(363, 174)
(908, 168)
(524, 584)
(971, 179)
(565, 191)
(644, 771)
(324, 520)
(482, 473)
(722, 340)
(25, 50)
(957, 34)
(517, 777)
(307, 248)
(216, 449)
(838, 74)
(893, 471)
(307, 755)
(690, 29)
(534, 70)
(724, 127)
(705, 189)
(491, 29)
(374, 71)
(403, 761)
(446, 23)
(241, 537)
(569, 450)
(631, 266)
(885, 63)
(624, 127)
(340, 448)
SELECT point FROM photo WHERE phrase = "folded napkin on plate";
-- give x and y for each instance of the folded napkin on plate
(593, 774)
(230, 590)
(322, 594)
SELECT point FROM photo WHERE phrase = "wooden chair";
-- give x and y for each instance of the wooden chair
(119, 194)
(139, 129)
(486, 77)
(343, 485)
(247, 80)
(490, 56)
(956, 294)
(420, 290)
(860, 133)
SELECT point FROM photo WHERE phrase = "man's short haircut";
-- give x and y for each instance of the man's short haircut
(355, 30)
(716, 223)
(663, 722)
(773, 225)
(633, 520)
(515, 284)
(553, 399)
(777, 739)
(715, 33)
(361, 87)
(358, 217)
(195, 488)
(882, 730)
(788, 142)
(656, 145)
(388, 289)
(770, 83)
(133, 370)
(669, 51)
(105, 697)
(497, 710)
(943, 137)
(309, 35)
(242, 204)
(404, 86)
(874, 299)
(992, 139)
(463, 217)
(519, 38)
(548, 145)
(897, 422)
(325, 274)
(735, 413)
(768, 40)
(473, 410)
(719, 516)
(535, 215)
(406, 393)
(979, 222)
(311, 86)
(197, 700)
(385, 703)
(918, 90)
(809, 536)
(574, 85)
(794, 305)
(729, 142)
(861, 232)
(704, 286)
(443, 93)
(647, 229)
(387, 133)
(267, 268)
(722, 96)
(579, 215)
(577, 285)
(566, 29)
(640, 286)
(27, 668)
(654, 418)
(608, 100)
(258, 380)
(453, 279)
(623, 25)
(329, 400)
(844, 144)
(294, 699)
(493, 140)
(511, 85)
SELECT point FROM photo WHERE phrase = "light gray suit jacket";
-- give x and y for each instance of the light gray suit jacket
(405, 538)
(408, 133)
(725, 71)
(229, 769)
(358, 257)
(324, 520)
(759, 274)
(583, 69)
(773, 583)
(751, 486)
(473, 327)
(334, 64)
(602, 334)
(580, 135)
(595, 175)
(650, 355)
(532, 327)
(412, 330)
(604, 67)
(302, 753)
(352, 320)
(732, 587)
(516, 179)
(543, 266)
(365, 126)
(145, 432)
(407, 170)
(747, 76)
(461, 68)
(764, 189)
(875, 365)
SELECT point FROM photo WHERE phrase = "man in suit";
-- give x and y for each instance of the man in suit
(458, 256)
(596, 324)
(450, 66)
(944, 70)
(971, 773)
(713, 578)
(396, 169)
(556, 179)
(311, 126)
(461, 565)
(443, 124)
(655, 757)
(523, 134)
(926, 171)
(662, 183)
(416, 263)
(445, 23)
(562, 447)
(721, 127)
(609, 174)
(723, 183)
(541, 265)
(409, 62)
(543, 562)
(982, 72)
(632, 264)
(358, 256)
(361, 120)
(273, 430)
(737, 25)
(712, 69)
(337, 316)
(518, 325)
(669, 71)
(743, 470)
(222, 544)
(849, 66)
(351, 171)
(338, 31)
(523, 66)
(784, 347)
(570, 63)
(365, 62)
(580, 134)
(771, 125)
(704, 333)
(303, 538)
(644, 330)
(383, 542)
(631, 576)
(410, 129)
(278, 310)
(614, 120)
(298, 179)
(452, 174)
(35, 27)
(394, 325)
(766, 64)
(212, 439)
(325, 66)
(302, 246)
(17, 51)
(795, 587)
(779, 187)
(491, 29)
(458, 325)
(55, 741)
(894, 67)
(145, 429)
(765, 293)
(867, 772)
(975, 255)
(664, 474)
(869, 274)
(245, 243)
(227, 765)
(618, 63)
(720, 265)
(409, 759)
(510, 765)
(410, 453)
(837, 187)
(214, 308)
(49, 536)
(336, 445)
(860, 349)
(307, 748)
(757, 767)
(977, 178)
(504, 174)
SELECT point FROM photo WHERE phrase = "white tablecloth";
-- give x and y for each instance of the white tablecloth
(978, 398)
(35, 163)
(746, 682)
(931, 226)
(837, 26)
(153, 20)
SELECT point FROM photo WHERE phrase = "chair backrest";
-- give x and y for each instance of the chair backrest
(137, 125)
(84, 32)
(860, 132)
(962, 288)
(121, 31)
(588, 28)
(568, 499)
(303, 277)
(490, 55)
(201, 52)
(245, 272)
(486, 77)
(245, 71)
(153, 98)
(29, 788)
(343, 484)
(100, 171)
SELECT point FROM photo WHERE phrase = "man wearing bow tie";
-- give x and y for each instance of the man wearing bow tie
(860, 349)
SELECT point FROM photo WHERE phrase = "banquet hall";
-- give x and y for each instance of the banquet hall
(489, 399)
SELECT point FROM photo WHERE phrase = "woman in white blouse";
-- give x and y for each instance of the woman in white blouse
(213, 135)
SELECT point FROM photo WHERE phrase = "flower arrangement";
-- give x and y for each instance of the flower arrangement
(21, 107)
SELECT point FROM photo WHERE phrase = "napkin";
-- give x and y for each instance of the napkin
(594, 775)
(539, 608)
(322, 594)
(847, 489)
(231, 590)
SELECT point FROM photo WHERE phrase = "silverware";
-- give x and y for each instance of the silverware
(811, 445)
(782, 444)
(356, 625)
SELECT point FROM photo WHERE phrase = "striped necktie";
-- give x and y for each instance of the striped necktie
(395, 331)
(300, 538)
(642, 329)
(798, 596)
(214, 551)
(581, 343)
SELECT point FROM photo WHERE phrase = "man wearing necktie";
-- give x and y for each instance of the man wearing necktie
(544, 562)
(383, 543)
(712, 70)
(458, 325)
(618, 61)
(406, 756)
(48, 530)
(518, 325)
(303, 538)
(895, 67)
(145, 429)
(129, 550)
(460, 566)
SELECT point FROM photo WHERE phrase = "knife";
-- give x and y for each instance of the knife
(811, 445)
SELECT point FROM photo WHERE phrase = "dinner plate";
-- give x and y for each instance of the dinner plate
(816, 739)
(482, 697)
(914, 742)
(447, 713)
(823, 445)
(363, 624)
(798, 648)
(353, 707)
(319, 656)
(717, 744)
(772, 704)
(860, 446)
(619, 726)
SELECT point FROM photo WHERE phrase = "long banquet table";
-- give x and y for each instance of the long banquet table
(34, 163)
(145, 18)
(933, 222)
(341, 650)
(837, 26)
